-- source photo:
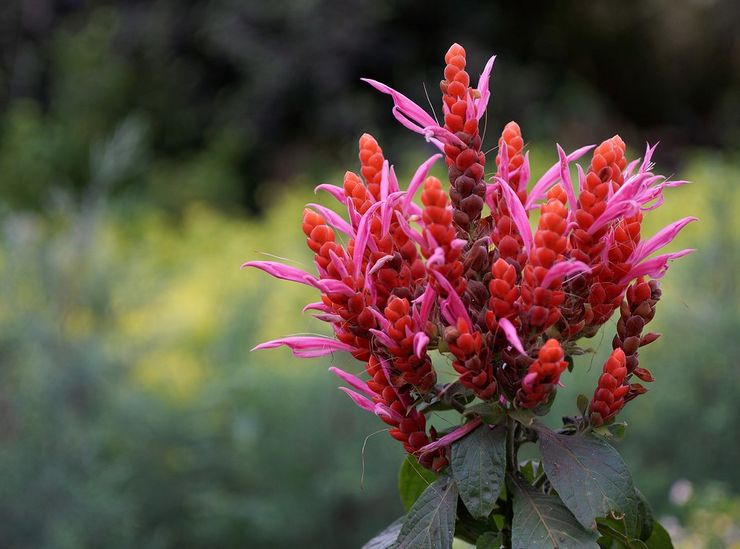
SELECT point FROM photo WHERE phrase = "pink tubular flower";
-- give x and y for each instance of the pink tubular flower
(399, 281)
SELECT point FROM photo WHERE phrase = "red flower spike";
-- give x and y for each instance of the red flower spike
(637, 310)
(465, 160)
(511, 138)
(504, 291)
(542, 376)
(609, 397)
(397, 281)
(540, 302)
(412, 370)
(472, 361)
(440, 234)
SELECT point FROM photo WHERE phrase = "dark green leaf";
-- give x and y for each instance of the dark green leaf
(569, 360)
(478, 464)
(470, 529)
(659, 539)
(543, 522)
(413, 479)
(489, 540)
(430, 524)
(589, 475)
(644, 516)
(582, 403)
(387, 537)
(614, 535)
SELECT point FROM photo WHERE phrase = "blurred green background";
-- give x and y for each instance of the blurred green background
(148, 148)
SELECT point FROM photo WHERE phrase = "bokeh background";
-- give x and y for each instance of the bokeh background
(148, 148)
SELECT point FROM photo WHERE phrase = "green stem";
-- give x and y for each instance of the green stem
(511, 468)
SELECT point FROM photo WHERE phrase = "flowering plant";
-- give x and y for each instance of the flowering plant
(465, 275)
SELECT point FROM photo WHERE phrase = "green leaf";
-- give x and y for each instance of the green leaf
(542, 521)
(489, 540)
(569, 360)
(430, 524)
(582, 403)
(490, 414)
(478, 464)
(659, 539)
(590, 477)
(523, 416)
(531, 469)
(387, 537)
(413, 479)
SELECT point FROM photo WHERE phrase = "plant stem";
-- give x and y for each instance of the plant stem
(511, 467)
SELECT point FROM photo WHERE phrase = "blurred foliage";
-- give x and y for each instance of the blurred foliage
(133, 413)
(237, 97)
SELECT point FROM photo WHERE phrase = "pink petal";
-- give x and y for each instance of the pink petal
(654, 267)
(331, 286)
(317, 306)
(361, 401)
(283, 272)
(483, 89)
(453, 301)
(351, 380)
(564, 268)
(307, 346)
(503, 155)
(336, 192)
(661, 238)
(449, 438)
(550, 177)
(518, 213)
(407, 107)
(363, 233)
(421, 340)
(565, 178)
(511, 335)
(333, 218)
(416, 181)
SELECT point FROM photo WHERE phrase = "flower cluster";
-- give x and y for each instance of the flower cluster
(464, 274)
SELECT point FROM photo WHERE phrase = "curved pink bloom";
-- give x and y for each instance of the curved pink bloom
(405, 106)
(416, 181)
(421, 340)
(551, 177)
(565, 179)
(662, 238)
(654, 267)
(449, 438)
(452, 305)
(351, 380)
(283, 272)
(307, 346)
(361, 400)
(484, 93)
(336, 192)
(564, 268)
(333, 218)
(512, 335)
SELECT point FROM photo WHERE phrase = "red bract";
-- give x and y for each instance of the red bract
(501, 304)
(609, 396)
